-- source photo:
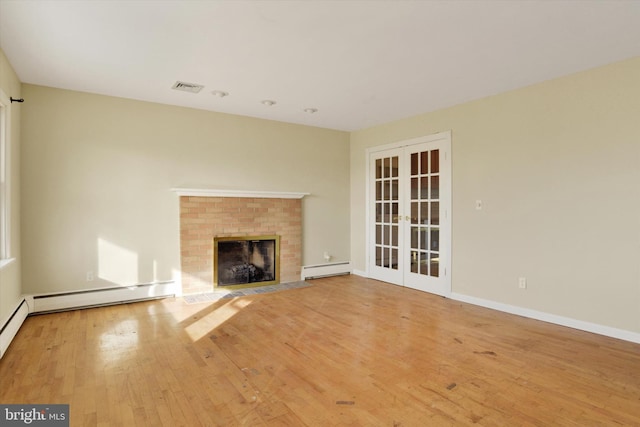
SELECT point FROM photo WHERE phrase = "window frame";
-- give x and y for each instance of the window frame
(5, 178)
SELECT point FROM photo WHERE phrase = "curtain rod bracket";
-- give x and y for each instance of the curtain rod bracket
(16, 100)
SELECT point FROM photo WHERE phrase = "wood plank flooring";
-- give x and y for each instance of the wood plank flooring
(346, 351)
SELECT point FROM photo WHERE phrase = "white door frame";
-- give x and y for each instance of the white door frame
(441, 136)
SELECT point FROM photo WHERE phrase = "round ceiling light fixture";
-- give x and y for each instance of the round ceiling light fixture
(310, 110)
(268, 102)
(220, 93)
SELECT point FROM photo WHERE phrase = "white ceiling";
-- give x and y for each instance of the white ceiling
(360, 63)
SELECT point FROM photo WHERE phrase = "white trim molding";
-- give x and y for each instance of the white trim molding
(551, 318)
(204, 192)
(325, 270)
(44, 303)
(5, 177)
(10, 327)
(361, 273)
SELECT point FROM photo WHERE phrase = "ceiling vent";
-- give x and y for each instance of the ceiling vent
(187, 87)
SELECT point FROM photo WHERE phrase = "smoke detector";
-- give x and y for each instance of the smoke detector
(187, 87)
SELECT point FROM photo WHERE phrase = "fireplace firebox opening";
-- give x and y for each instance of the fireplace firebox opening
(246, 261)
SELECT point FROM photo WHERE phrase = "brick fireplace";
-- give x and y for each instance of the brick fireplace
(204, 217)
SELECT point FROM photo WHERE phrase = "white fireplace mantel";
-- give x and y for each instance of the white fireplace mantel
(204, 192)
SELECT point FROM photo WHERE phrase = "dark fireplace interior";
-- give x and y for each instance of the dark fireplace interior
(244, 261)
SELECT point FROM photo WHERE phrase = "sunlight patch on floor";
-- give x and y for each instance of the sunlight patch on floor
(215, 318)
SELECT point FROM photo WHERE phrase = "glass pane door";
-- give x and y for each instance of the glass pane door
(425, 213)
(409, 228)
(428, 229)
(387, 216)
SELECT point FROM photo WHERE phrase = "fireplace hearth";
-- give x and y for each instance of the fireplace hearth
(246, 261)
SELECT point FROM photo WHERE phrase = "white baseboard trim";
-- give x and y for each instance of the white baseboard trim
(325, 270)
(551, 318)
(360, 273)
(45, 303)
(9, 329)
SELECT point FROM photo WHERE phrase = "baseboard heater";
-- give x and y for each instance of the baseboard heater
(10, 328)
(325, 270)
(101, 297)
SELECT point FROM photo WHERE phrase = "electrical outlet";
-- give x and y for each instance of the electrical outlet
(522, 283)
(89, 276)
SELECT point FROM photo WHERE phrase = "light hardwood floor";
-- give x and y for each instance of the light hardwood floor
(345, 351)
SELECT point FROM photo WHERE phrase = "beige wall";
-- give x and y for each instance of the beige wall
(10, 288)
(557, 166)
(97, 174)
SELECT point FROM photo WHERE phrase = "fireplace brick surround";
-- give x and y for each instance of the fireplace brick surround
(203, 218)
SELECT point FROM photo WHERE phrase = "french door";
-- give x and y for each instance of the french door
(409, 237)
